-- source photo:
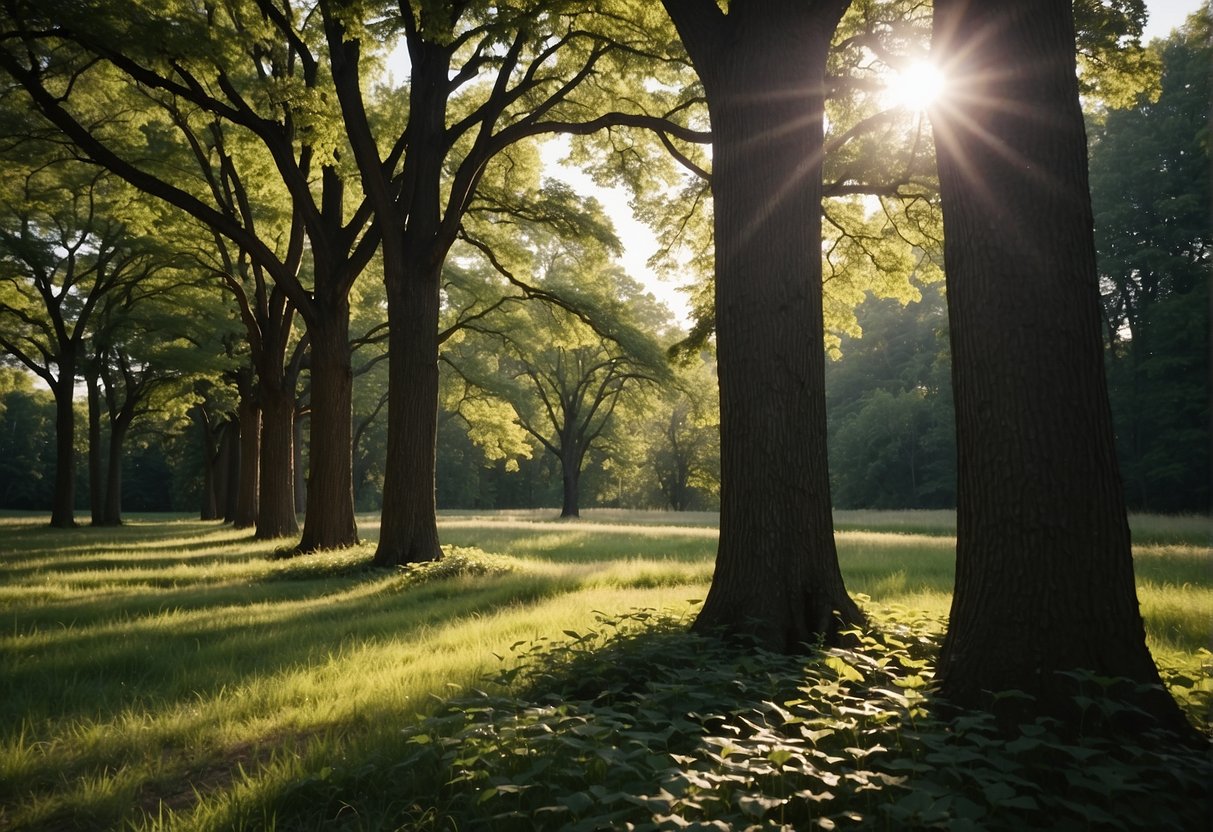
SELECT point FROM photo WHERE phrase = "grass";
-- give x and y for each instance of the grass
(171, 674)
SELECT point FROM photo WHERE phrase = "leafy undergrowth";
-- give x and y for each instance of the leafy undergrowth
(642, 725)
(456, 562)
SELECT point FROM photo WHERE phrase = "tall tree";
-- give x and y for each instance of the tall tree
(484, 79)
(63, 249)
(763, 72)
(1044, 569)
(242, 90)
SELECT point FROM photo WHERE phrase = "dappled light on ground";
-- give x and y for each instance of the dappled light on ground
(183, 668)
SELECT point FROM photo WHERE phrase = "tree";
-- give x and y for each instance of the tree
(484, 81)
(1044, 570)
(27, 427)
(669, 449)
(261, 137)
(563, 377)
(146, 356)
(63, 249)
(1150, 191)
(763, 73)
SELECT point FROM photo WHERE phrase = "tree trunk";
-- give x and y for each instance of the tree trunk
(96, 467)
(300, 465)
(276, 503)
(409, 528)
(329, 522)
(248, 412)
(228, 494)
(113, 473)
(213, 466)
(777, 574)
(1044, 570)
(63, 506)
(570, 475)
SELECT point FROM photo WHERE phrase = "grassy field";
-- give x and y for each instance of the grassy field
(173, 674)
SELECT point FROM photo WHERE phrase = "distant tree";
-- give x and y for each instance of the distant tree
(678, 427)
(1150, 189)
(564, 378)
(1044, 568)
(889, 400)
(27, 431)
(146, 356)
(64, 247)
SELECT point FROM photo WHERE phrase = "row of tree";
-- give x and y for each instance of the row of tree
(266, 125)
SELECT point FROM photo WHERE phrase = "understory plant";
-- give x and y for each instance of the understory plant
(639, 724)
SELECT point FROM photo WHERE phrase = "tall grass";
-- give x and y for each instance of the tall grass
(175, 673)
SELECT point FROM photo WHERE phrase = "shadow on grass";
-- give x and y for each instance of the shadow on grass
(657, 728)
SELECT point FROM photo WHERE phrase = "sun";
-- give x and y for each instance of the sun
(916, 87)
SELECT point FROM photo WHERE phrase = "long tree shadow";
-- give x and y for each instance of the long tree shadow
(662, 729)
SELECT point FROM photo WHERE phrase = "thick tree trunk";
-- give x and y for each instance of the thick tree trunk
(63, 506)
(1044, 570)
(777, 574)
(276, 502)
(248, 484)
(570, 476)
(113, 473)
(329, 522)
(409, 528)
(96, 467)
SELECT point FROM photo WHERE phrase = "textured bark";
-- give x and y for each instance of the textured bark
(570, 475)
(413, 253)
(63, 506)
(248, 413)
(228, 493)
(112, 515)
(409, 528)
(96, 467)
(276, 500)
(300, 466)
(1044, 571)
(329, 520)
(763, 66)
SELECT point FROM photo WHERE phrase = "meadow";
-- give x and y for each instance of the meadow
(176, 674)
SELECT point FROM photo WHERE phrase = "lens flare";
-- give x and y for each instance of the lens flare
(915, 87)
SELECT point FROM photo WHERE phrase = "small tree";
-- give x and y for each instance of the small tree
(563, 377)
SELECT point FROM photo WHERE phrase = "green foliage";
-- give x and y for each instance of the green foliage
(1115, 67)
(27, 447)
(637, 723)
(1150, 192)
(457, 562)
(889, 408)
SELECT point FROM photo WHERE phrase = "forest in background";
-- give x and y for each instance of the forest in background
(651, 441)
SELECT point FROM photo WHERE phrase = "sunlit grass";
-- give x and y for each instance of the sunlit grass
(179, 671)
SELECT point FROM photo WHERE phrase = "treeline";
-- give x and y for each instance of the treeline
(164, 426)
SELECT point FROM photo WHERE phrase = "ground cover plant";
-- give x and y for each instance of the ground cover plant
(179, 675)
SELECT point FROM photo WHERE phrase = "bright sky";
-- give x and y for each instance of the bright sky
(1165, 15)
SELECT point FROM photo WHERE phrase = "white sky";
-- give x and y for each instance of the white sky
(1165, 15)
